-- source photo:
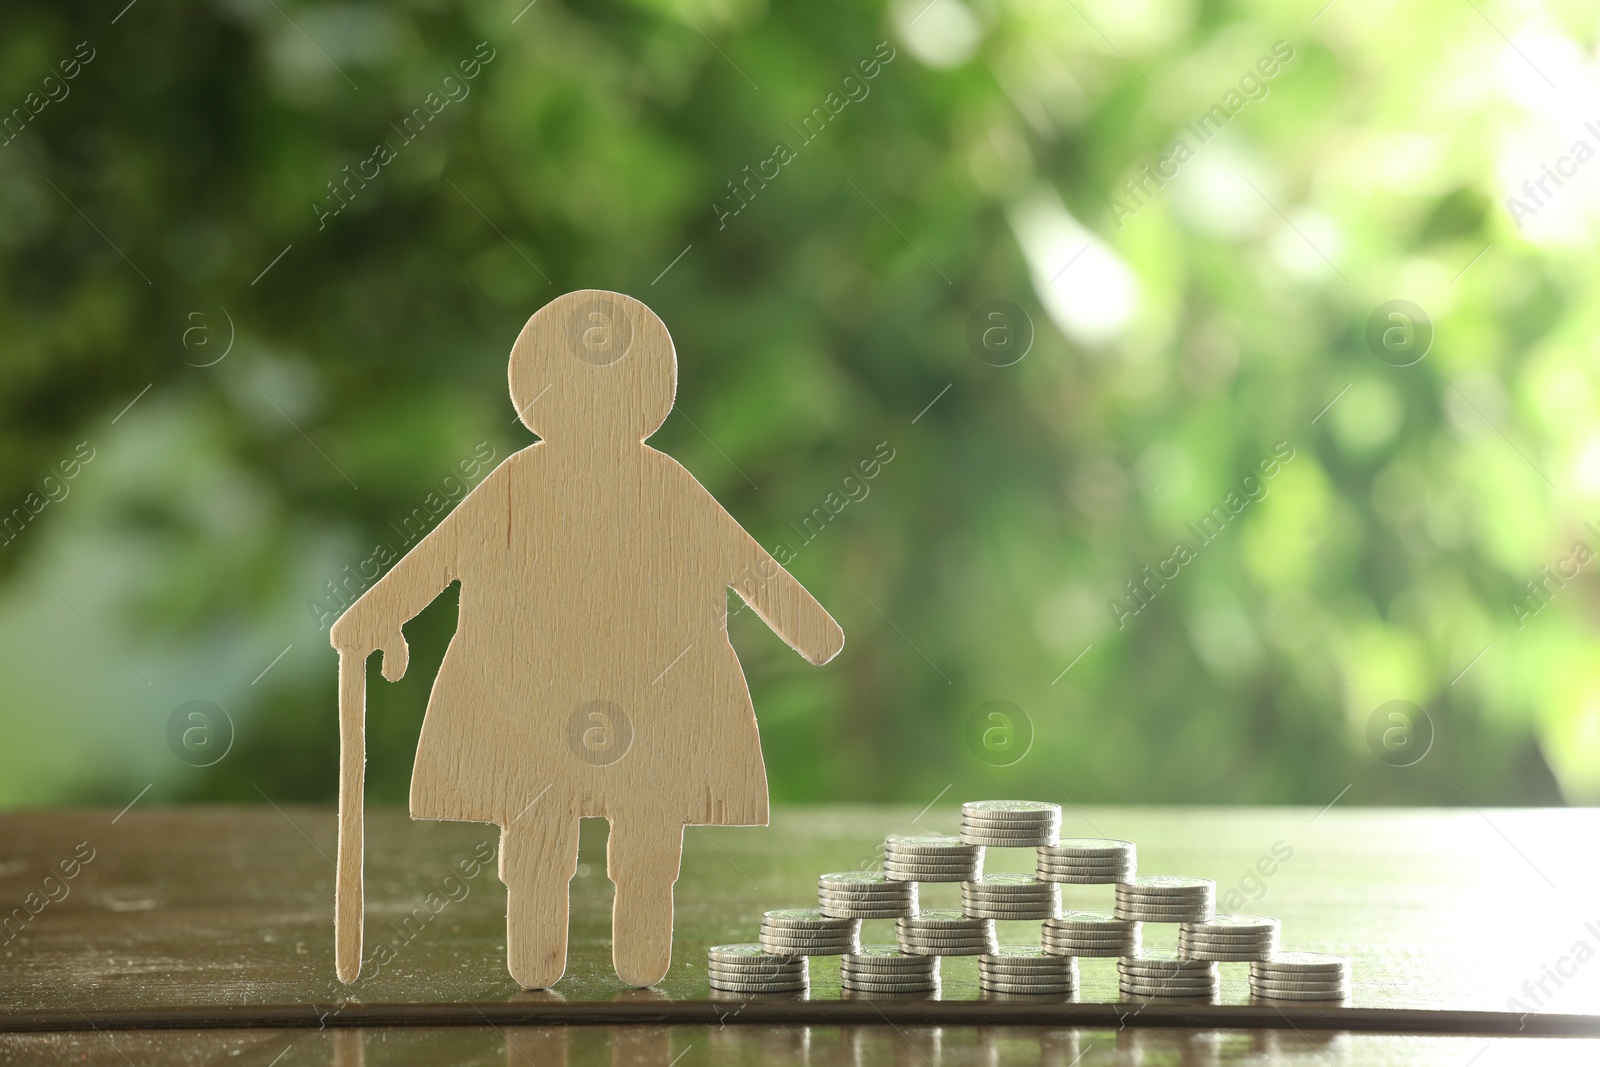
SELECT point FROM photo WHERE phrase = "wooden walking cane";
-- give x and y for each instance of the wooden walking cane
(348, 902)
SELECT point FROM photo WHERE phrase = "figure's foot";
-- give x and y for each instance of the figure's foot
(536, 969)
(641, 933)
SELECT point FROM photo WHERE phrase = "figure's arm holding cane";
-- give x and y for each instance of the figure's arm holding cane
(378, 617)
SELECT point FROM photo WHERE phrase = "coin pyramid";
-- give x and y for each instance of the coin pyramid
(779, 962)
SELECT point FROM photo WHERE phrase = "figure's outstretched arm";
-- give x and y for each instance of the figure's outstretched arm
(782, 602)
(377, 618)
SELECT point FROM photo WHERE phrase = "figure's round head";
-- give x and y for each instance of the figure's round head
(594, 365)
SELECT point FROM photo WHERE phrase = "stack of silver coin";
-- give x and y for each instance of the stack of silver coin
(865, 895)
(1229, 938)
(1010, 823)
(1166, 974)
(808, 932)
(1010, 897)
(944, 932)
(1087, 861)
(1090, 933)
(1301, 976)
(930, 858)
(1027, 969)
(751, 969)
(1167, 899)
(885, 969)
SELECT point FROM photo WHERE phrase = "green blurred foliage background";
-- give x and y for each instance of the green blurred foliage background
(300, 381)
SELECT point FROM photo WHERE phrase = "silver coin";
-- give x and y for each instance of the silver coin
(845, 901)
(1256, 952)
(1089, 920)
(1169, 883)
(1036, 913)
(1088, 952)
(1304, 962)
(1338, 988)
(1120, 937)
(1008, 822)
(754, 973)
(781, 965)
(1018, 807)
(1187, 933)
(1284, 994)
(1012, 826)
(1156, 975)
(796, 995)
(876, 953)
(1159, 957)
(832, 906)
(879, 989)
(1220, 957)
(883, 887)
(850, 880)
(1020, 954)
(1154, 957)
(790, 937)
(952, 863)
(920, 843)
(1046, 860)
(1168, 989)
(927, 879)
(744, 953)
(1049, 904)
(1170, 918)
(1007, 882)
(1168, 979)
(782, 987)
(898, 964)
(819, 949)
(1172, 914)
(1198, 911)
(882, 901)
(945, 939)
(794, 917)
(1000, 985)
(889, 981)
(1005, 900)
(1093, 847)
(1079, 878)
(1237, 926)
(1127, 891)
(934, 916)
(1129, 901)
(856, 911)
(1165, 979)
(977, 835)
(1095, 942)
(1057, 976)
(965, 871)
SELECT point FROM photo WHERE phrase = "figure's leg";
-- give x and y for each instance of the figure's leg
(642, 860)
(537, 861)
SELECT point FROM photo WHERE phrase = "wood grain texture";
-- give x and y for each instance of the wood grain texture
(591, 672)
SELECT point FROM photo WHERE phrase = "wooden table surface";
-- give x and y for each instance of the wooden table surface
(205, 936)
